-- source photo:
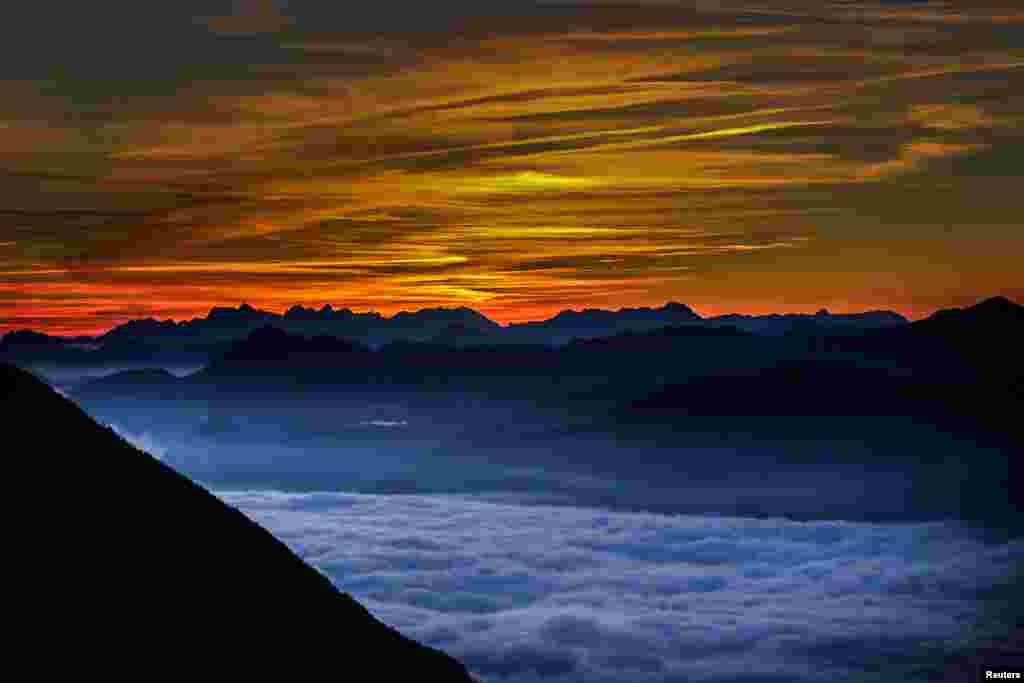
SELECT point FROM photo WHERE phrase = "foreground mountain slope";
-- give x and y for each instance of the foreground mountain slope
(123, 557)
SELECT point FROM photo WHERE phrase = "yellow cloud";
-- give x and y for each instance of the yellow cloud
(950, 117)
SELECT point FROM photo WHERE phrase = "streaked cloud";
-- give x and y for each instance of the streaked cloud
(301, 153)
(249, 17)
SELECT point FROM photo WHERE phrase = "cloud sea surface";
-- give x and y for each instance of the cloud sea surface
(525, 593)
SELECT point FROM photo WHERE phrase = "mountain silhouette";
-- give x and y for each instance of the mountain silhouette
(975, 346)
(959, 370)
(998, 314)
(270, 351)
(797, 323)
(28, 338)
(134, 383)
(444, 316)
(193, 342)
(461, 334)
(595, 322)
(31, 345)
(273, 344)
(125, 561)
(937, 390)
(987, 336)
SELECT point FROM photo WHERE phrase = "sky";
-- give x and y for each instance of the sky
(515, 157)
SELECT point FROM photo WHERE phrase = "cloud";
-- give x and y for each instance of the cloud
(144, 441)
(250, 17)
(526, 593)
(136, 171)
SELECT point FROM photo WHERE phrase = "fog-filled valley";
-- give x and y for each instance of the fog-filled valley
(892, 423)
(689, 502)
(473, 446)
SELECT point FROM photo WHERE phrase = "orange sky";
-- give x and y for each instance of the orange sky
(520, 161)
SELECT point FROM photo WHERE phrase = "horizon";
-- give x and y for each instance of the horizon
(703, 313)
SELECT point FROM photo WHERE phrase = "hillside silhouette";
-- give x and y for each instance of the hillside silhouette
(131, 562)
(991, 331)
(196, 341)
(960, 368)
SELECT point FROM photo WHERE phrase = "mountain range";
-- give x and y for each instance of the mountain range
(941, 369)
(933, 391)
(195, 341)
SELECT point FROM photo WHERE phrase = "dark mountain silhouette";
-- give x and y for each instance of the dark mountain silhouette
(958, 374)
(951, 347)
(273, 344)
(130, 562)
(29, 339)
(957, 366)
(660, 339)
(901, 399)
(232, 323)
(594, 322)
(26, 345)
(992, 321)
(987, 336)
(432, 317)
(143, 382)
(460, 334)
(137, 329)
(810, 388)
(193, 342)
(798, 323)
(272, 357)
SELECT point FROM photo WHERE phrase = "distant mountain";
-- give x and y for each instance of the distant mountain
(220, 324)
(147, 382)
(989, 334)
(273, 361)
(28, 338)
(270, 344)
(805, 388)
(798, 323)
(227, 324)
(595, 322)
(946, 354)
(997, 315)
(431, 318)
(592, 323)
(666, 340)
(957, 369)
(30, 346)
(193, 342)
(122, 560)
(461, 335)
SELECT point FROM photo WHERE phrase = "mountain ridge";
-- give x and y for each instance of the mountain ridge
(196, 342)
(170, 568)
(197, 339)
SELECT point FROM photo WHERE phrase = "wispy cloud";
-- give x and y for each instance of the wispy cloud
(473, 148)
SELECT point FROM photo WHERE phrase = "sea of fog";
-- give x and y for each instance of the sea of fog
(525, 592)
(581, 559)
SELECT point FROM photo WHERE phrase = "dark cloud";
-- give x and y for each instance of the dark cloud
(251, 143)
